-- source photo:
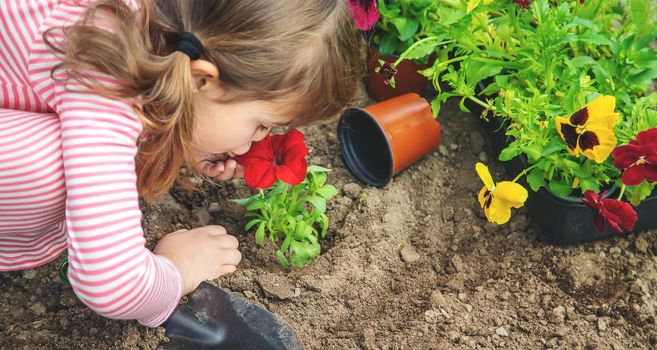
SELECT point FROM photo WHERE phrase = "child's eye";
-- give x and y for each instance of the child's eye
(263, 128)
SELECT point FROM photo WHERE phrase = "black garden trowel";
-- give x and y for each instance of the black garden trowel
(214, 318)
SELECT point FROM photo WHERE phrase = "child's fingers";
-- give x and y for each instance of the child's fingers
(239, 172)
(211, 169)
(229, 170)
(231, 257)
(226, 269)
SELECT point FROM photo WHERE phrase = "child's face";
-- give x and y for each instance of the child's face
(231, 128)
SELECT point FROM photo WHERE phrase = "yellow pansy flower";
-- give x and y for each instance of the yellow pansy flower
(590, 130)
(497, 200)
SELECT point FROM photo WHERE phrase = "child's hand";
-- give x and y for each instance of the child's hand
(200, 254)
(222, 168)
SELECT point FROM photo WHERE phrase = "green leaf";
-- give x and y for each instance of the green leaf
(636, 194)
(388, 44)
(406, 27)
(327, 191)
(318, 202)
(533, 151)
(242, 201)
(252, 223)
(510, 152)
(255, 205)
(260, 234)
(317, 169)
(594, 38)
(282, 259)
(536, 179)
(589, 183)
(560, 188)
(553, 146)
(324, 223)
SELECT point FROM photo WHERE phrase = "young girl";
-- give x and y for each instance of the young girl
(104, 101)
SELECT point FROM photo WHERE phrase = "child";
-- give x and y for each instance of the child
(103, 101)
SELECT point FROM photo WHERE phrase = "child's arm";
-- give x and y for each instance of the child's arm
(110, 268)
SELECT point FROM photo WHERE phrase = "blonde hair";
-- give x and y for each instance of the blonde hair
(307, 53)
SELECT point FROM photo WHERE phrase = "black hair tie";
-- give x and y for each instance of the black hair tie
(189, 44)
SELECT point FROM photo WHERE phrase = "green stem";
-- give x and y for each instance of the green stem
(524, 172)
(479, 102)
(620, 196)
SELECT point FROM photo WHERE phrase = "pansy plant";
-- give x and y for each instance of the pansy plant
(290, 205)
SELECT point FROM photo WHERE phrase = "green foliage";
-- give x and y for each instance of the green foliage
(292, 217)
(401, 23)
(544, 61)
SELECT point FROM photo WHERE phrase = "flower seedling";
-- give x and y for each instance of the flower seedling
(290, 206)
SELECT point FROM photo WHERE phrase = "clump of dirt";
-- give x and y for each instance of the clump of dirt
(414, 265)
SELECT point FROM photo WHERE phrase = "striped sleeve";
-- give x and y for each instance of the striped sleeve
(110, 268)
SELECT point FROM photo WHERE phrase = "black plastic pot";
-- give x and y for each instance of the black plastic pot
(562, 220)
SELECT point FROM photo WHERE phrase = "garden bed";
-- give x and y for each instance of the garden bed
(412, 266)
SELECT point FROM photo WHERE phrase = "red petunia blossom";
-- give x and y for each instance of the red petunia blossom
(618, 214)
(364, 12)
(388, 72)
(638, 159)
(281, 157)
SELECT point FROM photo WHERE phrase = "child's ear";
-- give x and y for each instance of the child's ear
(202, 71)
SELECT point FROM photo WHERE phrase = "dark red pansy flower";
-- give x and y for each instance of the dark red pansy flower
(523, 3)
(618, 214)
(388, 72)
(281, 157)
(364, 12)
(638, 159)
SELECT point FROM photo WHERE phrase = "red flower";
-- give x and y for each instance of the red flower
(281, 157)
(364, 12)
(619, 215)
(523, 3)
(638, 159)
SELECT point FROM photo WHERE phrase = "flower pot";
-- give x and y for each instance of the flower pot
(407, 78)
(380, 140)
(562, 220)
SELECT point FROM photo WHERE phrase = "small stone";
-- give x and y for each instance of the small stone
(38, 308)
(443, 151)
(453, 147)
(571, 314)
(602, 325)
(501, 332)
(213, 208)
(408, 254)
(498, 322)
(483, 156)
(369, 339)
(275, 286)
(615, 252)
(29, 274)
(352, 190)
(432, 316)
(457, 263)
(505, 295)
(468, 308)
(462, 296)
(591, 318)
(437, 299)
(558, 315)
(641, 245)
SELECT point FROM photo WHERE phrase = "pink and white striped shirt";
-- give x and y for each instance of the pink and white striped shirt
(67, 176)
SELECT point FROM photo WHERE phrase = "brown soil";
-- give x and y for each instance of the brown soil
(410, 266)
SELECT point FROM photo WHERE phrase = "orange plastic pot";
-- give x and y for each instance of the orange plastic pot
(380, 140)
(407, 78)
